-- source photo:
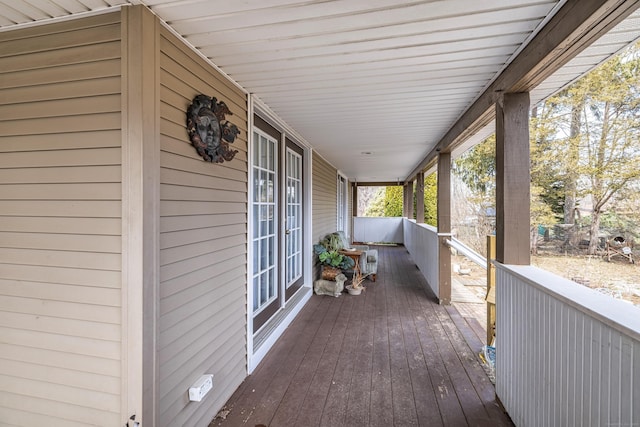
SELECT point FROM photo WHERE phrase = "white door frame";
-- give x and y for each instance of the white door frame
(254, 357)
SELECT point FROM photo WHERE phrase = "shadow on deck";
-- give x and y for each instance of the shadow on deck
(389, 357)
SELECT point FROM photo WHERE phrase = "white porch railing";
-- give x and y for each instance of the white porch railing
(421, 241)
(565, 355)
(377, 229)
(467, 251)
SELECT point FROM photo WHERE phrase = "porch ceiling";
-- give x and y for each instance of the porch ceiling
(372, 85)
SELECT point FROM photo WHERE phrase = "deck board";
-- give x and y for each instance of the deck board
(389, 357)
(421, 380)
(335, 408)
(357, 413)
(318, 388)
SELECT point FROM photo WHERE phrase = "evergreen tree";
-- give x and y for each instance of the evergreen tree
(388, 202)
(376, 206)
(431, 199)
(393, 201)
(597, 128)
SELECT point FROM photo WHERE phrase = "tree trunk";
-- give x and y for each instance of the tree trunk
(598, 189)
(572, 175)
(595, 230)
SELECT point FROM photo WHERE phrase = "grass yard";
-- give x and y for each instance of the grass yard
(618, 278)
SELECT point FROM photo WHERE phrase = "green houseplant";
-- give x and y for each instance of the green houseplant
(328, 251)
(333, 262)
(332, 258)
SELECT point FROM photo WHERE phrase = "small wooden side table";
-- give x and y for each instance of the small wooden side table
(355, 256)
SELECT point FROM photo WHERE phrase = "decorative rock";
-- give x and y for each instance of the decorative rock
(464, 271)
(329, 287)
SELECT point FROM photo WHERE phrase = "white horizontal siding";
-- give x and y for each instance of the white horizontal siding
(60, 243)
(566, 355)
(54, 292)
(325, 198)
(203, 232)
(325, 202)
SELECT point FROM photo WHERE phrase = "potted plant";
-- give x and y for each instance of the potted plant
(356, 287)
(333, 262)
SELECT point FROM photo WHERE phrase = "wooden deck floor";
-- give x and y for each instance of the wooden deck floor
(389, 357)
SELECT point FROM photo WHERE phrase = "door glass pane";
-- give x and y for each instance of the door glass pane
(256, 257)
(262, 221)
(272, 219)
(263, 224)
(256, 291)
(264, 290)
(264, 254)
(272, 283)
(271, 248)
(263, 152)
(263, 186)
(270, 187)
(293, 217)
(270, 164)
(342, 203)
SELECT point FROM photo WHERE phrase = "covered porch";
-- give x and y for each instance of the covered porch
(131, 269)
(392, 356)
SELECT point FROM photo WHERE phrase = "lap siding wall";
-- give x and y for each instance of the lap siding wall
(203, 223)
(325, 201)
(60, 223)
(61, 292)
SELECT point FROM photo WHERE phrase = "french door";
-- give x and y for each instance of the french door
(277, 225)
(264, 228)
(294, 219)
(343, 192)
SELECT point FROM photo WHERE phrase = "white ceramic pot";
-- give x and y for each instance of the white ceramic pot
(353, 291)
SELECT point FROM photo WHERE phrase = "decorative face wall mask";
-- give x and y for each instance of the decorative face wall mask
(210, 133)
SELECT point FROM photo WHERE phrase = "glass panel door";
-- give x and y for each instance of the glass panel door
(277, 233)
(342, 204)
(293, 224)
(265, 228)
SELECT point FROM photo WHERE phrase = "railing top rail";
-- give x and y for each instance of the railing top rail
(467, 251)
(429, 227)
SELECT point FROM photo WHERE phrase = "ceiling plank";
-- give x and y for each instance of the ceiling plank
(367, 40)
(436, 16)
(573, 28)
